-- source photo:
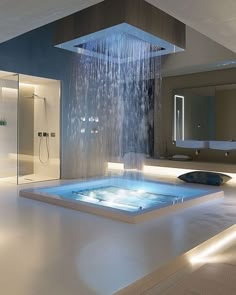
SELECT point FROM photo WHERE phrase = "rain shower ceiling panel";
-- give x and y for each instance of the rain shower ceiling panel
(134, 20)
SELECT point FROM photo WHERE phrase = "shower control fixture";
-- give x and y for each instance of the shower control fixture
(3, 122)
(44, 134)
(91, 119)
(94, 131)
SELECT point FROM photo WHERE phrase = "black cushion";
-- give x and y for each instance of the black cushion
(205, 177)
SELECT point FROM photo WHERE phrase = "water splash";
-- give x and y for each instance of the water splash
(111, 111)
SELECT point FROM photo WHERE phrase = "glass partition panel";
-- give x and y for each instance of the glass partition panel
(8, 126)
(39, 129)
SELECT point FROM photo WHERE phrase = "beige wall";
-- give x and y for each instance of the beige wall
(201, 54)
(163, 130)
(225, 103)
(47, 119)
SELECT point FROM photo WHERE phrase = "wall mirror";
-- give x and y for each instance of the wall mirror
(205, 113)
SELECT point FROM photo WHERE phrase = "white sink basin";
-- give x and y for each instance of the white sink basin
(193, 144)
(222, 145)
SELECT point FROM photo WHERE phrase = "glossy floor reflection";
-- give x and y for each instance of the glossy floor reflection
(47, 250)
(216, 277)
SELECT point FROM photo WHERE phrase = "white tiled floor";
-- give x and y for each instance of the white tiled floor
(47, 250)
(30, 178)
(215, 278)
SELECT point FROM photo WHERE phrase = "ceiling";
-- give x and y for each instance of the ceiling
(213, 18)
(20, 16)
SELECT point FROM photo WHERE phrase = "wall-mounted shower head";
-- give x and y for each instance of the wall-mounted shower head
(38, 96)
(35, 96)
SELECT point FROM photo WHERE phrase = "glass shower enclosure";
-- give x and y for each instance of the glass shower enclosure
(29, 128)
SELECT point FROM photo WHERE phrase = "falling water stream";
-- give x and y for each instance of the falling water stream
(112, 110)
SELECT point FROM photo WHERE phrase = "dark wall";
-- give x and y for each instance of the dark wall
(34, 54)
(163, 142)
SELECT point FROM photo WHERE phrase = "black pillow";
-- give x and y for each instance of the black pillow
(205, 177)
